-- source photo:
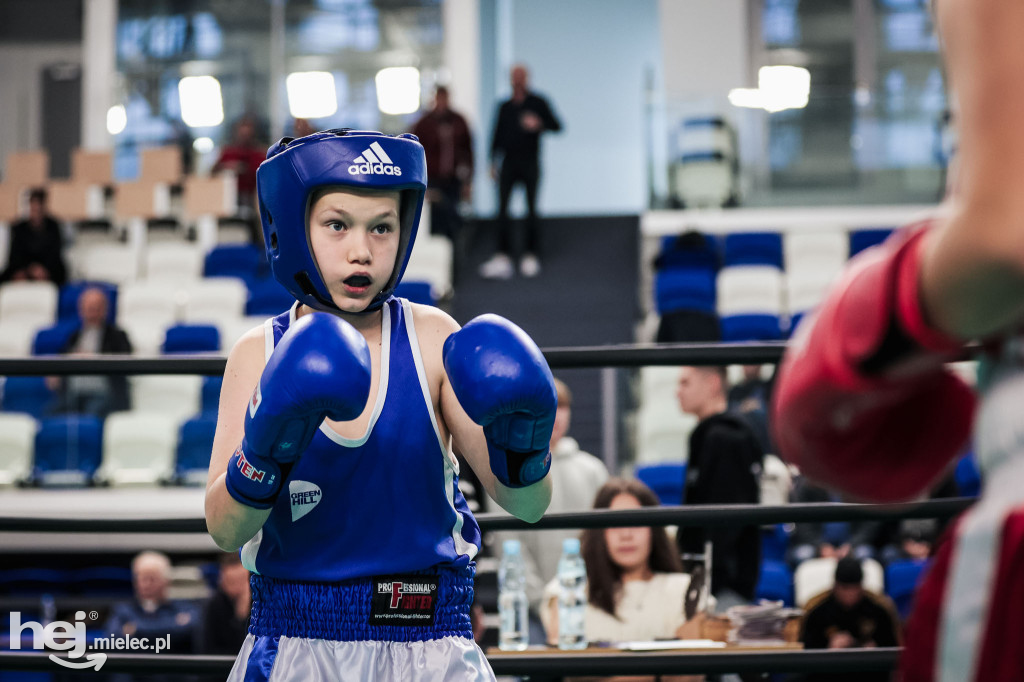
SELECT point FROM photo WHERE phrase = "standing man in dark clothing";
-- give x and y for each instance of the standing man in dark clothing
(515, 158)
(724, 467)
(37, 248)
(848, 617)
(448, 145)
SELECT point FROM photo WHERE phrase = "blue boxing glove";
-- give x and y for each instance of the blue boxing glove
(320, 369)
(504, 384)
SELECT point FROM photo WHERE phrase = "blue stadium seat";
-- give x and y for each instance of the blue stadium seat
(103, 580)
(775, 542)
(690, 250)
(245, 261)
(775, 582)
(968, 476)
(191, 338)
(211, 394)
(67, 301)
(68, 449)
(417, 292)
(752, 327)
(753, 248)
(863, 239)
(666, 479)
(51, 341)
(195, 443)
(901, 578)
(685, 289)
(27, 394)
(267, 297)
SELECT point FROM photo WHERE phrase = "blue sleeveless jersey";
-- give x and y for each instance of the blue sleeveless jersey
(385, 503)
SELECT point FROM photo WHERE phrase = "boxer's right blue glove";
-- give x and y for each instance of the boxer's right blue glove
(320, 369)
(504, 384)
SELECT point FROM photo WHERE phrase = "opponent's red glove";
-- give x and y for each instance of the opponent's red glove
(863, 403)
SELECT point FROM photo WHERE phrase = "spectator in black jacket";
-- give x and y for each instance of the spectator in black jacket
(515, 159)
(724, 468)
(97, 395)
(37, 248)
(849, 617)
(226, 615)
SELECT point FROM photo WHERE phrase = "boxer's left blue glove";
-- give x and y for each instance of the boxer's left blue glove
(504, 384)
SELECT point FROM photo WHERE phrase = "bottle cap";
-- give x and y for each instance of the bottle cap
(510, 547)
(571, 546)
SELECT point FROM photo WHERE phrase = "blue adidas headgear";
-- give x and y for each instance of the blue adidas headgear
(364, 159)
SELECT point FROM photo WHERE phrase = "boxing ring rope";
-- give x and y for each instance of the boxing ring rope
(627, 663)
(707, 516)
(625, 355)
(598, 664)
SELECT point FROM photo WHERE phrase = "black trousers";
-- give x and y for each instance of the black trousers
(513, 173)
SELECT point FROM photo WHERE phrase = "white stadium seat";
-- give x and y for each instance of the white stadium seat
(30, 303)
(17, 443)
(212, 299)
(138, 448)
(745, 289)
(177, 261)
(173, 395)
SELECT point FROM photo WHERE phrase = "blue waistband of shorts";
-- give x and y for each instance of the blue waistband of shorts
(341, 611)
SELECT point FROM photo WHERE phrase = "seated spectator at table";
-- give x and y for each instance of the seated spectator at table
(637, 590)
(87, 394)
(849, 617)
(37, 247)
(153, 614)
(226, 615)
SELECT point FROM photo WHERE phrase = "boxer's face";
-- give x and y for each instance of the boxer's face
(628, 548)
(354, 237)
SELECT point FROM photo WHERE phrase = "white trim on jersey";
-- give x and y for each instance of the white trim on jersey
(450, 463)
(249, 551)
(382, 388)
(975, 560)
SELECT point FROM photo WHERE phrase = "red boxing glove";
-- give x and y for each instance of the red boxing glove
(863, 403)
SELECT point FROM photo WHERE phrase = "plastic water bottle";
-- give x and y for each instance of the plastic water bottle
(572, 596)
(513, 607)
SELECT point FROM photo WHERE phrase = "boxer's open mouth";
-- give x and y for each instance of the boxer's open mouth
(358, 281)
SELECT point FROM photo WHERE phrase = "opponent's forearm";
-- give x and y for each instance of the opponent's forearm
(230, 523)
(527, 503)
(972, 275)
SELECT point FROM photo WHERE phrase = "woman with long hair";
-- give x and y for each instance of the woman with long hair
(635, 581)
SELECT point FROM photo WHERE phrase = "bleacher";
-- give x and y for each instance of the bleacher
(180, 277)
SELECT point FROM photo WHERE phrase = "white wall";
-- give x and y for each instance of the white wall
(705, 49)
(21, 91)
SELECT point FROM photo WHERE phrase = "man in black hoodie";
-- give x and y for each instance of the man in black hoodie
(724, 467)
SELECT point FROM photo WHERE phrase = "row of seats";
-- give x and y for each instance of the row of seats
(128, 448)
(898, 580)
(757, 285)
(174, 395)
(82, 197)
(93, 580)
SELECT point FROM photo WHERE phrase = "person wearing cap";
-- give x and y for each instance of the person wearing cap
(849, 617)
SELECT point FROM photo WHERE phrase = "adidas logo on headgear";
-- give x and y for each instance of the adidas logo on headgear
(374, 161)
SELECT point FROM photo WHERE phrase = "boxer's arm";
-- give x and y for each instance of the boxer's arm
(433, 326)
(230, 523)
(972, 275)
(527, 503)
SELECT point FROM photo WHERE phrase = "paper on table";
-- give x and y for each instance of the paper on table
(665, 644)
